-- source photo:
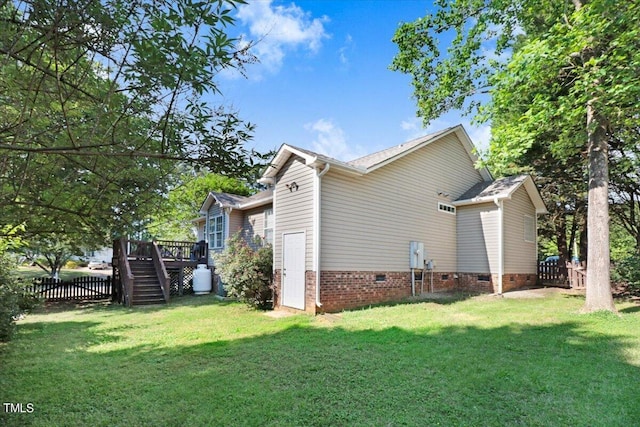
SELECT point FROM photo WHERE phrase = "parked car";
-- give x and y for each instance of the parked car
(553, 258)
(98, 265)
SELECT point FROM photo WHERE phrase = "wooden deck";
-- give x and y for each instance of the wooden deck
(175, 262)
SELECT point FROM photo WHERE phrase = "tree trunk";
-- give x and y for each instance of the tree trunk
(598, 278)
(561, 238)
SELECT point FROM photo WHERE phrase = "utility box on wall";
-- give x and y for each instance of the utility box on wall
(416, 255)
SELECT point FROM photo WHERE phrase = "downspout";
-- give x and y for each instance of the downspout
(500, 206)
(316, 228)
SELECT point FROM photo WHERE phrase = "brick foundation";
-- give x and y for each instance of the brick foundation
(342, 290)
(309, 294)
(518, 281)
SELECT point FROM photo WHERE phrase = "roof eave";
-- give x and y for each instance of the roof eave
(479, 200)
(255, 203)
(530, 187)
(312, 161)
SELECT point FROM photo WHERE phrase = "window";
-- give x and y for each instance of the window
(443, 207)
(529, 229)
(216, 231)
(268, 226)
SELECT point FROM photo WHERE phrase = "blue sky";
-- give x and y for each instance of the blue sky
(323, 81)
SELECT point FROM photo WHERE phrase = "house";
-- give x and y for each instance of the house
(413, 218)
(224, 214)
(345, 233)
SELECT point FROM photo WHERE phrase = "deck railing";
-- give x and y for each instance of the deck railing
(161, 271)
(182, 251)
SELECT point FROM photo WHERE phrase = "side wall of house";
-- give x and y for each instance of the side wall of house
(368, 221)
(200, 230)
(236, 219)
(294, 209)
(478, 232)
(520, 256)
(293, 212)
(253, 224)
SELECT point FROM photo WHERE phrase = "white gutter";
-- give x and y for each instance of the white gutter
(499, 204)
(316, 226)
(267, 181)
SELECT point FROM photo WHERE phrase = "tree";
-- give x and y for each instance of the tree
(625, 183)
(51, 252)
(570, 81)
(99, 101)
(183, 202)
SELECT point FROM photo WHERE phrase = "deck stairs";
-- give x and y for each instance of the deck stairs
(146, 289)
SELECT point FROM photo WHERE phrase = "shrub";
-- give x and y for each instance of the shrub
(13, 299)
(71, 264)
(629, 270)
(247, 273)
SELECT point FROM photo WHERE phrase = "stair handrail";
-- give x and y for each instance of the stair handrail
(126, 276)
(161, 271)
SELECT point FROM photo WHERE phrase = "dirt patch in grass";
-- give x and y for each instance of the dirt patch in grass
(541, 292)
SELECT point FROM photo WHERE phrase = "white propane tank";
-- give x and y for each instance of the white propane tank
(201, 280)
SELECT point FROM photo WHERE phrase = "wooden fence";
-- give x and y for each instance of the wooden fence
(551, 273)
(78, 289)
(572, 275)
(577, 275)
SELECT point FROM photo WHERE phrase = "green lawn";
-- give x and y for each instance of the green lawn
(29, 273)
(198, 362)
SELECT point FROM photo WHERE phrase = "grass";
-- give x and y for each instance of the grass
(29, 273)
(200, 362)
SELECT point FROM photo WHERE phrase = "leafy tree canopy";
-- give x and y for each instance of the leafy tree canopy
(565, 79)
(99, 101)
(174, 220)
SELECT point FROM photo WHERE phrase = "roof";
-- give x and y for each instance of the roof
(371, 162)
(501, 189)
(384, 155)
(235, 201)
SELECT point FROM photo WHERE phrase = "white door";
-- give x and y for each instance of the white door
(293, 269)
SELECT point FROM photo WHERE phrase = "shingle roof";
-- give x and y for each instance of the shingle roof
(236, 201)
(263, 196)
(383, 155)
(371, 162)
(499, 188)
(228, 199)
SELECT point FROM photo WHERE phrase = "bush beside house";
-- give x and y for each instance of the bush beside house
(247, 273)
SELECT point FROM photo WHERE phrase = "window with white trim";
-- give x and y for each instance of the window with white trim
(443, 207)
(529, 229)
(268, 226)
(216, 231)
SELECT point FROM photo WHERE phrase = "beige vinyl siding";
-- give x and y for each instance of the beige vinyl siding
(236, 219)
(294, 209)
(478, 231)
(368, 221)
(253, 224)
(520, 256)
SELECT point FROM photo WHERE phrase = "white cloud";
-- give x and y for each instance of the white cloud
(330, 140)
(277, 29)
(346, 48)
